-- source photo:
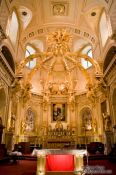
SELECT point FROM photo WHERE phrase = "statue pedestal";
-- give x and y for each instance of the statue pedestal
(1, 132)
(108, 141)
(9, 140)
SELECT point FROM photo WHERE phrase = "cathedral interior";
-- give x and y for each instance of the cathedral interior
(57, 73)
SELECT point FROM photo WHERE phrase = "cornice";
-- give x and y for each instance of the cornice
(45, 29)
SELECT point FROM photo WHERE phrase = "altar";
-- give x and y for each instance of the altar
(58, 160)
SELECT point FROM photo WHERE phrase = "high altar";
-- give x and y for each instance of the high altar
(59, 160)
(56, 117)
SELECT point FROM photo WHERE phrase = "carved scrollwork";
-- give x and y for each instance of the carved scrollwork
(58, 88)
(45, 101)
(71, 100)
(26, 92)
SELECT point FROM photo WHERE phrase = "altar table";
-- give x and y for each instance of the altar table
(59, 160)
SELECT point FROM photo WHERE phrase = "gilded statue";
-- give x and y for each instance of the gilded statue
(12, 123)
(107, 122)
(45, 101)
(59, 125)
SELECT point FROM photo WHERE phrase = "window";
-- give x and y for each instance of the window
(29, 51)
(86, 64)
(103, 27)
(12, 28)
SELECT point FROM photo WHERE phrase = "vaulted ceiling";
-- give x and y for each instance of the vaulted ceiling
(69, 13)
(80, 18)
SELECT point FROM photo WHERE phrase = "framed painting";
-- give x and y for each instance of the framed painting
(59, 111)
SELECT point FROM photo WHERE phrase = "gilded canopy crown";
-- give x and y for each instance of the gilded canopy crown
(59, 42)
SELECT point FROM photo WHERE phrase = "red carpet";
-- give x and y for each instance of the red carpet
(28, 167)
(108, 167)
(23, 167)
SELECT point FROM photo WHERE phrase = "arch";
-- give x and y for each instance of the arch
(114, 105)
(36, 44)
(109, 56)
(9, 58)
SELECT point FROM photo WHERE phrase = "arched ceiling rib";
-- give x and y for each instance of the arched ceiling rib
(58, 53)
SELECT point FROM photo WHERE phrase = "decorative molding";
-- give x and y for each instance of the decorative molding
(59, 8)
(45, 30)
(2, 34)
(1, 83)
(109, 69)
(6, 66)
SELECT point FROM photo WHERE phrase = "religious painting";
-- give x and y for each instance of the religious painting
(58, 112)
(28, 123)
(87, 118)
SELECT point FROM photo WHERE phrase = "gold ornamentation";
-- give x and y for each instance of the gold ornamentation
(26, 93)
(71, 100)
(58, 50)
(59, 9)
(59, 42)
(45, 101)
(12, 123)
(58, 88)
(107, 122)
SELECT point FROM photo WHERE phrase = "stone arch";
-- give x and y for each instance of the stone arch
(109, 56)
(9, 58)
(114, 104)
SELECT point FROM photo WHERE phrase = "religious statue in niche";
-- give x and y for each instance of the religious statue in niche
(12, 123)
(94, 126)
(71, 101)
(59, 112)
(106, 121)
(28, 125)
(87, 119)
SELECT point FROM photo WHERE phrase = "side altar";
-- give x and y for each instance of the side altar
(59, 160)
